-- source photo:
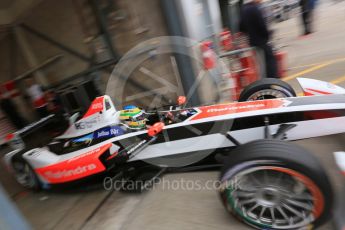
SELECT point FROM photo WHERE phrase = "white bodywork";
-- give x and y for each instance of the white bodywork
(304, 129)
(96, 119)
(316, 87)
(340, 160)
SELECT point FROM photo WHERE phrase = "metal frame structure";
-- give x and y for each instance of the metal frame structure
(183, 62)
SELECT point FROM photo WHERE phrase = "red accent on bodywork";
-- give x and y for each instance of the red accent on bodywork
(240, 107)
(95, 107)
(112, 156)
(308, 94)
(320, 115)
(155, 129)
(315, 91)
(75, 168)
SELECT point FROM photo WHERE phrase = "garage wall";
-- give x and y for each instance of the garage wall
(142, 20)
(5, 54)
(58, 20)
(130, 23)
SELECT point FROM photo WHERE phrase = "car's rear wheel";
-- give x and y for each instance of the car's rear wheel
(271, 184)
(25, 175)
(267, 88)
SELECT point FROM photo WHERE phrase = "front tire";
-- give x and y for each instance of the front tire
(267, 88)
(25, 175)
(271, 184)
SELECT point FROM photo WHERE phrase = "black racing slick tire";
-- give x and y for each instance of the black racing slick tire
(267, 88)
(272, 184)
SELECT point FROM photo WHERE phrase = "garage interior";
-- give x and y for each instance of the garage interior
(76, 48)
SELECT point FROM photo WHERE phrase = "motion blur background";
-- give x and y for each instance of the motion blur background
(70, 48)
(73, 46)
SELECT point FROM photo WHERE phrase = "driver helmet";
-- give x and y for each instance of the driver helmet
(133, 117)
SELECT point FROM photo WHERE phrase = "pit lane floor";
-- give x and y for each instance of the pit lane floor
(164, 208)
(167, 208)
(320, 55)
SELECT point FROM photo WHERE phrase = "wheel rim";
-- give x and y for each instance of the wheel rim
(24, 175)
(268, 94)
(274, 197)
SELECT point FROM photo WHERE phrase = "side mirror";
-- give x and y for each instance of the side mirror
(155, 129)
(181, 100)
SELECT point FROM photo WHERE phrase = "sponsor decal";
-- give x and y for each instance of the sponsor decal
(109, 132)
(70, 172)
(240, 107)
(75, 168)
(86, 124)
(95, 107)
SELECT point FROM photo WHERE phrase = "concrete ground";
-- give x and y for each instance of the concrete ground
(320, 56)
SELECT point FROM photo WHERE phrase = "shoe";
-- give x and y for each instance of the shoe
(304, 36)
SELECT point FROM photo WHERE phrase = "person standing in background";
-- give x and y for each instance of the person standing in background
(312, 6)
(307, 8)
(37, 97)
(54, 104)
(252, 23)
(10, 110)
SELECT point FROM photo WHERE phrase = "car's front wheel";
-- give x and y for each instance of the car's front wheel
(25, 175)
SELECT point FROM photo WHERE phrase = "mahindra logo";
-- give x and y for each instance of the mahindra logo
(70, 172)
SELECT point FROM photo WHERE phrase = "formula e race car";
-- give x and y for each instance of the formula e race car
(265, 181)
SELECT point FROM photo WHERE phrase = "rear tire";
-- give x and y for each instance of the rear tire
(271, 184)
(267, 88)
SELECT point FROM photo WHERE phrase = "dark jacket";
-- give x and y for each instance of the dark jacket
(252, 23)
(10, 110)
(304, 4)
(307, 5)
